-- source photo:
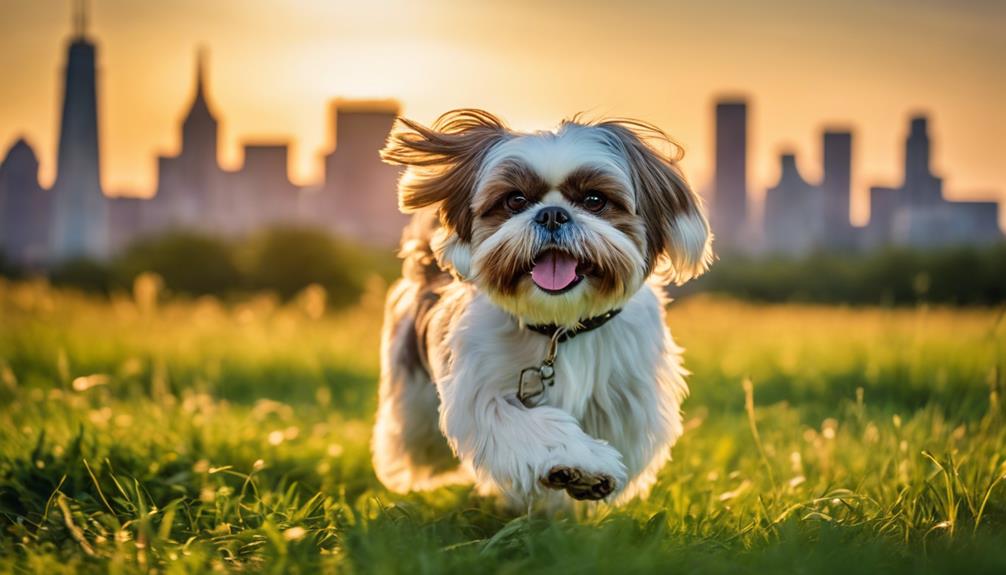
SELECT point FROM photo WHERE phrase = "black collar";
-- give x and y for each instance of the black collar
(585, 325)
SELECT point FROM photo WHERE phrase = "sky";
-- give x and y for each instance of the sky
(274, 66)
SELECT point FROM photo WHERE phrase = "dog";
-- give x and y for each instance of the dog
(525, 349)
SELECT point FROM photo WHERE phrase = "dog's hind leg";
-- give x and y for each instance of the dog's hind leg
(409, 450)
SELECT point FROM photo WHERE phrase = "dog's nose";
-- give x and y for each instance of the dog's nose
(551, 217)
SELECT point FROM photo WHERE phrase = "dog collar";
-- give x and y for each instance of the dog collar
(585, 325)
(535, 381)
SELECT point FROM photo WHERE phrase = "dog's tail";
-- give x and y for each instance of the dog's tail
(419, 264)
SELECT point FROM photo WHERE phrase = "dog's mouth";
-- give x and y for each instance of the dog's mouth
(556, 272)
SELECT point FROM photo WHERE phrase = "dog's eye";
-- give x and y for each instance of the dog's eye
(516, 202)
(594, 202)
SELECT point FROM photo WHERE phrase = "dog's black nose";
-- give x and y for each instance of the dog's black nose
(551, 217)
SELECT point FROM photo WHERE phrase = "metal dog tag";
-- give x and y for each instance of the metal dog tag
(535, 380)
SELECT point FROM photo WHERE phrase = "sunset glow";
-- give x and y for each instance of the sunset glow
(274, 67)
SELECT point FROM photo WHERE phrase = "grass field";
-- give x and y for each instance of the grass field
(193, 436)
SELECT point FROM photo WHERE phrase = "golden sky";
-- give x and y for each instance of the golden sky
(275, 64)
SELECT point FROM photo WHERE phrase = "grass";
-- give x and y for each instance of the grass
(193, 436)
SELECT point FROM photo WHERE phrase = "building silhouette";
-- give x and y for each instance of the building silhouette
(358, 198)
(25, 208)
(730, 189)
(836, 188)
(190, 184)
(261, 194)
(916, 214)
(80, 226)
(800, 216)
(795, 211)
(921, 187)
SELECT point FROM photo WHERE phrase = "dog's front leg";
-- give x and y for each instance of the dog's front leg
(523, 449)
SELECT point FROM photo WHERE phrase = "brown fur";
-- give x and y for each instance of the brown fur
(664, 198)
(445, 160)
(577, 184)
(509, 177)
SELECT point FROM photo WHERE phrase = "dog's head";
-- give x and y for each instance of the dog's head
(555, 226)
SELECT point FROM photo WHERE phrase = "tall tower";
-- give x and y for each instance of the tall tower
(358, 197)
(190, 185)
(921, 187)
(793, 212)
(80, 227)
(730, 209)
(200, 130)
(24, 207)
(837, 185)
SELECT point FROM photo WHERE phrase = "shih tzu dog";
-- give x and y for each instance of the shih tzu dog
(525, 349)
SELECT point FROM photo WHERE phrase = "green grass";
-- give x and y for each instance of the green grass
(193, 436)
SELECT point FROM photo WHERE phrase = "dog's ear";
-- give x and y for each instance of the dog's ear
(679, 241)
(443, 163)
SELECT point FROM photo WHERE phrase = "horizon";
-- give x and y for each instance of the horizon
(141, 105)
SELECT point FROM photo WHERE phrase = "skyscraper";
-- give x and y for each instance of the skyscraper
(730, 210)
(24, 207)
(836, 184)
(921, 187)
(200, 130)
(80, 227)
(261, 191)
(190, 187)
(358, 199)
(916, 214)
(793, 212)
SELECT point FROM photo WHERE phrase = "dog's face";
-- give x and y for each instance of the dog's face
(554, 227)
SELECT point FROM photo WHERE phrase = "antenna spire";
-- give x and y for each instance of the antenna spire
(201, 53)
(79, 18)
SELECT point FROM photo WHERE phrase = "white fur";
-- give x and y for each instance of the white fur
(614, 409)
(409, 452)
(452, 254)
(691, 250)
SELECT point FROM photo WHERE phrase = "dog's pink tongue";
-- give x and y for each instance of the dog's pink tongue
(554, 271)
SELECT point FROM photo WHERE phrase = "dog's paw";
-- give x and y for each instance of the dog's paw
(579, 484)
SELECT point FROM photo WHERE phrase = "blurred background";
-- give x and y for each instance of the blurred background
(231, 146)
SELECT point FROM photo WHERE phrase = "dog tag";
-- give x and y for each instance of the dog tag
(535, 380)
(533, 383)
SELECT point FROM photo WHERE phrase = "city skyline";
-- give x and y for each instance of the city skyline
(801, 216)
(265, 105)
(356, 198)
(74, 219)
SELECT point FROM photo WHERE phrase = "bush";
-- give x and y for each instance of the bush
(86, 274)
(287, 260)
(188, 262)
(284, 260)
(958, 276)
(7, 267)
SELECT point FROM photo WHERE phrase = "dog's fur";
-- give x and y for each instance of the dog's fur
(455, 334)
